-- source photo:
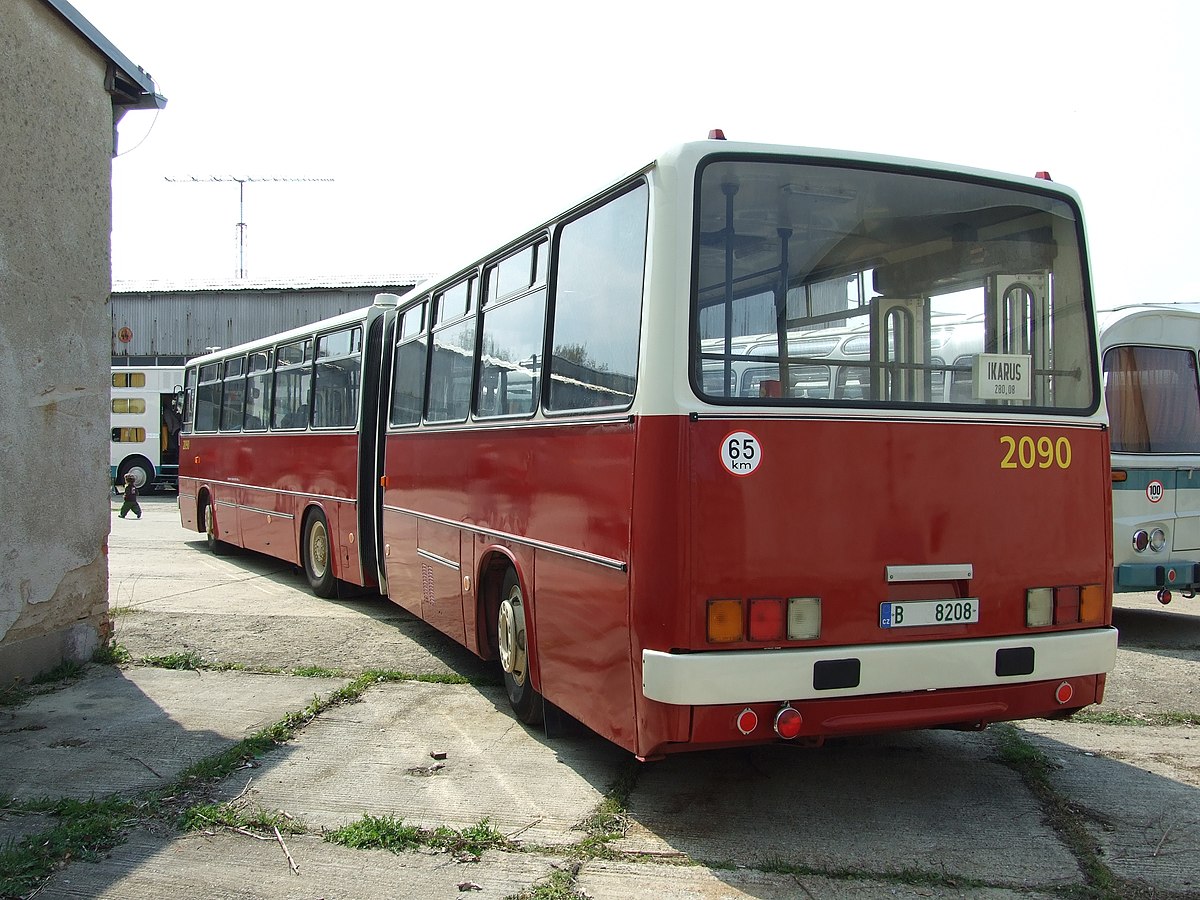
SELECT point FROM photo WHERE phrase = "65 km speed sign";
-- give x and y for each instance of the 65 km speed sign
(741, 452)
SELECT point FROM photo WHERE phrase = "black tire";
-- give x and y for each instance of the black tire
(512, 642)
(208, 515)
(141, 470)
(318, 556)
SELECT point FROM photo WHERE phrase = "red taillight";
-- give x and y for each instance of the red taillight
(747, 720)
(1064, 693)
(717, 134)
(1066, 605)
(1044, 175)
(767, 619)
(788, 723)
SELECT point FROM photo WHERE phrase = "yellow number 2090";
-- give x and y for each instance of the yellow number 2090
(1026, 453)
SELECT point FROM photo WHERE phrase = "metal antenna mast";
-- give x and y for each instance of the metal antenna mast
(241, 223)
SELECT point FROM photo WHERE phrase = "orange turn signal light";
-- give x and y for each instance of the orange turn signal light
(724, 621)
(1091, 604)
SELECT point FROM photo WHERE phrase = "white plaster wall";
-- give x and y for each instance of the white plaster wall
(55, 224)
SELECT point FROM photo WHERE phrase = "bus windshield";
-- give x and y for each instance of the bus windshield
(820, 284)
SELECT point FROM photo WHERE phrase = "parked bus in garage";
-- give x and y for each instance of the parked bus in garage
(546, 453)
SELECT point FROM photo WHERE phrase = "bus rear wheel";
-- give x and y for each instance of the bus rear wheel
(318, 560)
(215, 544)
(512, 641)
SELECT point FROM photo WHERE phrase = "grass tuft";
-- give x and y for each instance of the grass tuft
(112, 654)
(85, 830)
(391, 833)
(225, 815)
(190, 661)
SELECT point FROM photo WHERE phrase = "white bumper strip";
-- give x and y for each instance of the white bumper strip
(754, 676)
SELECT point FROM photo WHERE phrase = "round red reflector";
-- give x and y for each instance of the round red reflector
(788, 723)
(1064, 693)
(747, 720)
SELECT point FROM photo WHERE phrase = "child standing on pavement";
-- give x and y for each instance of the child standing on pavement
(131, 495)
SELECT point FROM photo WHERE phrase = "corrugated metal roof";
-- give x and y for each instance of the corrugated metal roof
(294, 283)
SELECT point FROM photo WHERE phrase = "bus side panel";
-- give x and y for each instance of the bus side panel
(523, 484)
(660, 566)
(583, 643)
(400, 559)
(266, 521)
(441, 581)
(249, 482)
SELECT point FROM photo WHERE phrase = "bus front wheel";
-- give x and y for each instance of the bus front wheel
(512, 641)
(318, 561)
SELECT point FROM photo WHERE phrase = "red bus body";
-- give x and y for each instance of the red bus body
(620, 533)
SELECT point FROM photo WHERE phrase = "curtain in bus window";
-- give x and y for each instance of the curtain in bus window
(1153, 399)
(598, 304)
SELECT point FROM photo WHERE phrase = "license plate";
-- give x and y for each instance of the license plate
(929, 612)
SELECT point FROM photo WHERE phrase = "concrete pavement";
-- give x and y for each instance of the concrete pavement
(921, 814)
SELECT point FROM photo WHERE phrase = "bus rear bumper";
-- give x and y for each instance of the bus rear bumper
(755, 676)
(1178, 576)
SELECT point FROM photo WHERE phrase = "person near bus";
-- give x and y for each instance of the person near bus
(131, 495)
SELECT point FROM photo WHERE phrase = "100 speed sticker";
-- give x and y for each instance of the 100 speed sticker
(741, 453)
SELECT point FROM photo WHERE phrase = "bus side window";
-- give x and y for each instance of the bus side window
(598, 305)
(293, 381)
(338, 371)
(258, 391)
(208, 397)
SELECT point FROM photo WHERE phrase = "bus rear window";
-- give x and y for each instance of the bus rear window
(817, 284)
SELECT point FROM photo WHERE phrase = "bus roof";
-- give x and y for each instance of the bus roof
(692, 153)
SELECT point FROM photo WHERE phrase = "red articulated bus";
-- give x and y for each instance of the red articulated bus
(687, 461)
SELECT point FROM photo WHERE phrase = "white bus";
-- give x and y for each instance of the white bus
(145, 420)
(1152, 391)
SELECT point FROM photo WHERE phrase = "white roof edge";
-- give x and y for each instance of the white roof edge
(293, 283)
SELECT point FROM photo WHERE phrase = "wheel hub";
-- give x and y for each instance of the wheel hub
(510, 633)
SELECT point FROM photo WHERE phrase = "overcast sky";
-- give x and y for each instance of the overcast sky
(448, 127)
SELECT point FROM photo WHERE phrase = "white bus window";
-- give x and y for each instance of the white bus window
(129, 405)
(1153, 399)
